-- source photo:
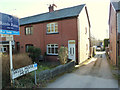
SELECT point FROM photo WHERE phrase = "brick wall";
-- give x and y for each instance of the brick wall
(112, 36)
(67, 29)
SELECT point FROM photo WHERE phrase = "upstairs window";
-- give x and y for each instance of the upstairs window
(29, 30)
(52, 28)
(52, 49)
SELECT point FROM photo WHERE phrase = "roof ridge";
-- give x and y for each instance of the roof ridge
(57, 14)
(53, 11)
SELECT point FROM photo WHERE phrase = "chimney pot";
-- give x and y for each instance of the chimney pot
(51, 8)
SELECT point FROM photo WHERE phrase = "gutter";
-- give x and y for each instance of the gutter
(49, 20)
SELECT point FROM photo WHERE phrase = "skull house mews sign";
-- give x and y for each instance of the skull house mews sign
(9, 24)
(24, 70)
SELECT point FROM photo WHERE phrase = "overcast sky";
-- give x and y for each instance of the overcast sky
(98, 11)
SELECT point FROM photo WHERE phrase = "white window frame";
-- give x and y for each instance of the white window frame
(49, 46)
(29, 30)
(50, 25)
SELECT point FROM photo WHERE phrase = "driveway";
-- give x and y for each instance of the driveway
(95, 74)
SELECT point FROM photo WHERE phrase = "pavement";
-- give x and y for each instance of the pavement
(94, 74)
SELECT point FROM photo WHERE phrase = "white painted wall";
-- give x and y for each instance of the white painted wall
(83, 40)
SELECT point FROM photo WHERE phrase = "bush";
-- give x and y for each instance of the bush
(19, 60)
(34, 53)
(63, 54)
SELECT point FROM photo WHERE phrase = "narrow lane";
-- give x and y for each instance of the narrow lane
(96, 74)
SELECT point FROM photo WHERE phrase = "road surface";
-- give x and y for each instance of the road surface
(96, 74)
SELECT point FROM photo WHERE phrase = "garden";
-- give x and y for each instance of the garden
(25, 59)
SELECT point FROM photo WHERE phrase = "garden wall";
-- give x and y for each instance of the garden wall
(49, 74)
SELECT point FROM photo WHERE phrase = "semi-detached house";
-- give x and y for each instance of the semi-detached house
(68, 27)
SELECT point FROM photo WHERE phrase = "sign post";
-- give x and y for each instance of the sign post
(11, 63)
(35, 76)
(9, 25)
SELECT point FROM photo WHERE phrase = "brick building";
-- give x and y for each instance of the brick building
(68, 27)
(114, 32)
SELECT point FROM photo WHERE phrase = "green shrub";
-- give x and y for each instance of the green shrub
(34, 53)
(63, 54)
(19, 60)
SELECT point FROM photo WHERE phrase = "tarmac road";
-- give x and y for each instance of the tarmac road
(96, 74)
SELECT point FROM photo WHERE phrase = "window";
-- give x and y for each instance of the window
(52, 49)
(52, 28)
(29, 30)
(27, 46)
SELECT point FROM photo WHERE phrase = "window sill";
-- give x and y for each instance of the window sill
(52, 54)
(28, 34)
(52, 33)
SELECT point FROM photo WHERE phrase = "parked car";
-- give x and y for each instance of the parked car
(98, 48)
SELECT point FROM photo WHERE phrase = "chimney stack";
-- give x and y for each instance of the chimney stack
(51, 8)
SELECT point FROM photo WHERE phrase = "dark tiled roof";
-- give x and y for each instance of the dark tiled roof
(58, 14)
(116, 5)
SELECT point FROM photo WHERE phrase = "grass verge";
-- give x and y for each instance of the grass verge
(114, 70)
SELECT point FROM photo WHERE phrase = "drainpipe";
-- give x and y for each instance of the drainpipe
(116, 41)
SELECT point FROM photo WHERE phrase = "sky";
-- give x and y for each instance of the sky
(98, 11)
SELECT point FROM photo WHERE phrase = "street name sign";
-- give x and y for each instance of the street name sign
(24, 70)
(9, 24)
